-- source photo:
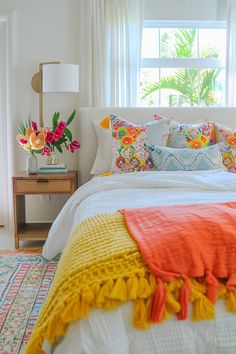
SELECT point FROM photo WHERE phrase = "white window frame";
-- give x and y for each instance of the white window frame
(159, 63)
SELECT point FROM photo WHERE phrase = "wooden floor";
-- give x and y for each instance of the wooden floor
(7, 242)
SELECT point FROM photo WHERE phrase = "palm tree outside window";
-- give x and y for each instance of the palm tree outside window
(183, 63)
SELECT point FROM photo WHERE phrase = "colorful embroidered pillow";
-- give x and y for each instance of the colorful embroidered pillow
(130, 144)
(170, 159)
(193, 136)
(228, 147)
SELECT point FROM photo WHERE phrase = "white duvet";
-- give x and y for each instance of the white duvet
(110, 332)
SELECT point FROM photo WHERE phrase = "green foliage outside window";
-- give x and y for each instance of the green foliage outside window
(191, 86)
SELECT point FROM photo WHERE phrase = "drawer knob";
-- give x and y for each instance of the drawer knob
(42, 181)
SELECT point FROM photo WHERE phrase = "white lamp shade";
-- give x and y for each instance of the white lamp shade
(60, 78)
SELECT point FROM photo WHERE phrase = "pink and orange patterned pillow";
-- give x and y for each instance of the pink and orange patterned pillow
(130, 144)
(193, 136)
(227, 137)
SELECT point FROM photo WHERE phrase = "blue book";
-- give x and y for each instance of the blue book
(53, 170)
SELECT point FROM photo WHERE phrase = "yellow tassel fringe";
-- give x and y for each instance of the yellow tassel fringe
(112, 293)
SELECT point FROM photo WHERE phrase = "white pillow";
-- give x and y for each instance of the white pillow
(103, 158)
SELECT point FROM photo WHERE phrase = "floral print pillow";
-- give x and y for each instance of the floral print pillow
(130, 144)
(227, 137)
(193, 136)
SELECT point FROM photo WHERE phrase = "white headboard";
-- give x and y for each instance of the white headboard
(88, 139)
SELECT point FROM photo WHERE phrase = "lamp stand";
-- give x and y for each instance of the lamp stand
(36, 84)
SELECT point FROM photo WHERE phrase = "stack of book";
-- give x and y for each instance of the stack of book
(58, 168)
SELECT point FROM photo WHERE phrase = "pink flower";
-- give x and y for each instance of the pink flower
(23, 141)
(34, 126)
(49, 137)
(46, 151)
(56, 137)
(74, 145)
(62, 125)
(59, 132)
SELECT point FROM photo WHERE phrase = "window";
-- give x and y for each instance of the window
(183, 63)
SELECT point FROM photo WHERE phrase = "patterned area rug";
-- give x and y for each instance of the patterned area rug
(25, 278)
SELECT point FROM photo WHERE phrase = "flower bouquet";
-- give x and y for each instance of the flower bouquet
(44, 141)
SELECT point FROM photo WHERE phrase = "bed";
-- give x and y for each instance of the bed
(111, 331)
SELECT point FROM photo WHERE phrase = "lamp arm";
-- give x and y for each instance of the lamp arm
(36, 84)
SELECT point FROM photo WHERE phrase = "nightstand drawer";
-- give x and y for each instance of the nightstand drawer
(43, 185)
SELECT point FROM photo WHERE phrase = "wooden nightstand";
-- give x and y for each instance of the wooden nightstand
(23, 184)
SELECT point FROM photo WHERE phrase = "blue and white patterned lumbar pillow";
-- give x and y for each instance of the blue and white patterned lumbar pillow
(170, 159)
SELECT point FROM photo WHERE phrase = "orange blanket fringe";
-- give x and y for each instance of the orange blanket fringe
(183, 242)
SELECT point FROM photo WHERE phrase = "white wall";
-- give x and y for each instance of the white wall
(45, 30)
(184, 9)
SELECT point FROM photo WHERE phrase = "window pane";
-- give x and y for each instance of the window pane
(212, 87)
(178, 42)
(212, 43)
(150, 40)
(180, 87)
(147, 78)
(184, 87)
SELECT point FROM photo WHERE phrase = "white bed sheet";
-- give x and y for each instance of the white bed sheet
(137, 189)
(110, 332)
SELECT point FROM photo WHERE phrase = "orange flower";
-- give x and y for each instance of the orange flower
(28, 132)
(196, 144)
(232, 141)
(127, 140)
(135, 132)
(37, 141)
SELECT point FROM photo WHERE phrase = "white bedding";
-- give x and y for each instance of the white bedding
(110, 332)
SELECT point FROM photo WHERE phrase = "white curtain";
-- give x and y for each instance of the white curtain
(231, 54)
(92, 52)
(109, 55)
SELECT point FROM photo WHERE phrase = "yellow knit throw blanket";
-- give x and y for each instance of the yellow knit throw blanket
(101, 267)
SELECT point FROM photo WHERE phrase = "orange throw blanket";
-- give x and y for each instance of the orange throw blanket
(189, 241)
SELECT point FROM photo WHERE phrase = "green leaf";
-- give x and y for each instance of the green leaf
(55, 119)
(61, 141)
(21, 126)
(68, 134)
(58, 146)
(72, 116)
(38, 151)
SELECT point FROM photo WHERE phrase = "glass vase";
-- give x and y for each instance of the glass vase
(31, 164)
(52, 159)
